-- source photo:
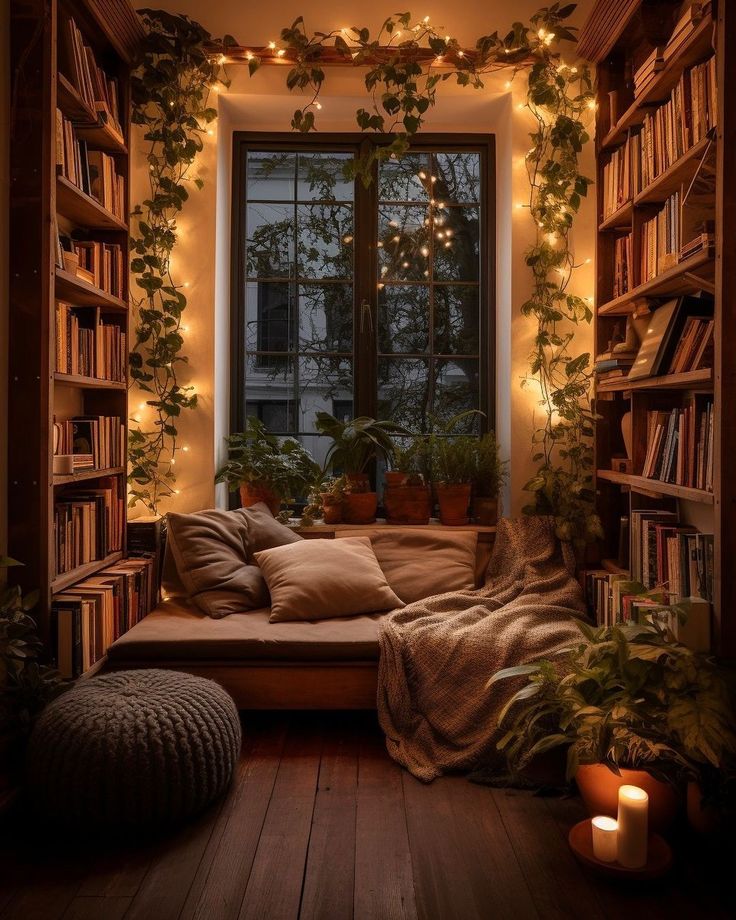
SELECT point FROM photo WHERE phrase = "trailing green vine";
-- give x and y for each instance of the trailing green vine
(405, 63)
(170, 90)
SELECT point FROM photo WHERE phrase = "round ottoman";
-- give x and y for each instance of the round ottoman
(133, 748)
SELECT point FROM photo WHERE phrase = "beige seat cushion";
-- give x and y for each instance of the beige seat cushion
(214, 555)
(177, 631)
(421, 563)
(317, 579)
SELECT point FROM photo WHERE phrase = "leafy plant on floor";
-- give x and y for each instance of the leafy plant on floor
(625, 696)
(170, 90)
(405, 64)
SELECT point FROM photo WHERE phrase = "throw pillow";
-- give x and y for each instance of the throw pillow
(420, 563)
(319, 579)
(213, 552)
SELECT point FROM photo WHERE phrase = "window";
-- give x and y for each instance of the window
(361, 301)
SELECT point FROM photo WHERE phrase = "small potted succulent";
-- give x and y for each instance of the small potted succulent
(325, 501)
(354, 445)
(631, 705)
(489, 475)
(265, 468)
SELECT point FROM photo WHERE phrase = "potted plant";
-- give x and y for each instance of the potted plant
(489, 474)
(264, 468)
(631, 705)
(354, 445)
(407, 497)
(26, 684)
(325, 501)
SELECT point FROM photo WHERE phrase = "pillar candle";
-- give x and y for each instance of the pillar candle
(605, 833)
(633, 830)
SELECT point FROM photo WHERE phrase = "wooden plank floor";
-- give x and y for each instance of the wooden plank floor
(320, 823)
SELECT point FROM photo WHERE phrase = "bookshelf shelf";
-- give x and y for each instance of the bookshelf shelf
(700, 379)
(62, 582)
(693, 274)
(89, 125)
(620, 219)
(83, 209)
(86, 475)
(697, 46)
(681, 172)
(83, 294)
(88, 383)
(656, 487)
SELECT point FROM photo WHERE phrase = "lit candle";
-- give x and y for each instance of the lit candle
(605, 838)
(633, 830)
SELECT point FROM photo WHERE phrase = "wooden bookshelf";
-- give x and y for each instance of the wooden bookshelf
(617, 56)
(41, 200)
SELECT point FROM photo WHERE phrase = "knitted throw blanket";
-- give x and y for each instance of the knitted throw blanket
(437, 654)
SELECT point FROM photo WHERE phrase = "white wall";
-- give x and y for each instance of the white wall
(203, 257)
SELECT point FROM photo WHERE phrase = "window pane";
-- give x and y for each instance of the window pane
(326, 317)
(458, 177)
(403, 318)
(457, 389)
(325, 241)
(407, 179)
(270, 176)
(270, 379)
(404, 391)
(456, 319)
(322, 381)
(403, 235)
(270, 313)
(270, 241)
(321, 177)
(456, 245)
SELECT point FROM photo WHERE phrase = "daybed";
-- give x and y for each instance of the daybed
(324, 664)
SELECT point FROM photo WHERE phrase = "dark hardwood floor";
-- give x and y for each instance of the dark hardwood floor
(320, 823)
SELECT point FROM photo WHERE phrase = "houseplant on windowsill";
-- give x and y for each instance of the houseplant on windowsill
(407, 497)
(325, 501)
(489, 475)
(354, 445)
(266, 469)
(632, 706)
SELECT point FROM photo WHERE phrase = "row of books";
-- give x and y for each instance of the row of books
(99, 438)
(101, 264)
(680, 445)
(646, 72)
(88, 524)
(695, 348)
(88, 346)
(616, 599)
(623, 281)
(93, 171)
(622, 175)
(651, 557)
(92, 614)
(100, 91)
(660, 240)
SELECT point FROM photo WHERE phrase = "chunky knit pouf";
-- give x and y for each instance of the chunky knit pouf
(133, 748)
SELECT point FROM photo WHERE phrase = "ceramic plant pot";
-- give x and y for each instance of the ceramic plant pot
(453, 499)
(485, 510)
(599, 790)
(251, 493)
(407, 504)
(359, 507)
(393, 478)
(331, 509)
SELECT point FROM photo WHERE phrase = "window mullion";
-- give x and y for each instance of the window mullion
(365, 327)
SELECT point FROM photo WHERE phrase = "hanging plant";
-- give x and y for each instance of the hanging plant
(170, 90)
(405, 63)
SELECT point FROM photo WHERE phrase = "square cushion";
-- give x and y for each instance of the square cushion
(421, 563)
(214, 555)
(318, 579)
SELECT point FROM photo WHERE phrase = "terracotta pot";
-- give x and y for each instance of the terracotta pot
(454, 500)
(407, 504)
(331, 510)
(704, 819)
(359, 507)
(599, 789)
(485, 510)
(394, 478)
(252, 492)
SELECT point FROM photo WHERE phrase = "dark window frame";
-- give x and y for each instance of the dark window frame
(364, 287)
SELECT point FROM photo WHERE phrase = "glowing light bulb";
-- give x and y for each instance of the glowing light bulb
(433, 179)
(222, 59)
(210, 132)
(396, 239)
(507, 84)
(186, 448)
(461, 54)
(404, 264)
(422, 174)
(592, 105)
(588, 261)
(347, 239)
(448, 244)
(272, 46)
(281, 52)
(426, 19)
(424, 251)
(318, 105)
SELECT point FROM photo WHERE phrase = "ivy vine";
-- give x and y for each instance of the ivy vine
(170, 89)
(405, 63)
